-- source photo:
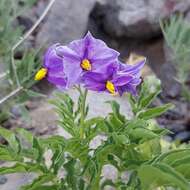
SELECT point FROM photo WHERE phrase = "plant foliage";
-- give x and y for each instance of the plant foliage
(10, 33)
(131, 145)
(176, 31)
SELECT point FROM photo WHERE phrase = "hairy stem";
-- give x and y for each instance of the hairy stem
(83, 96)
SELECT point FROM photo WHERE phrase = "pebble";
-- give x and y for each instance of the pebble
(3, 179)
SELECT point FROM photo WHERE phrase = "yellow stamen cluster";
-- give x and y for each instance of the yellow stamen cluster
(41, 74)
(86, 65)
(110, 87)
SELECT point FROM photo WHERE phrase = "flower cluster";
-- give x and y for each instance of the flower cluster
(90, 62)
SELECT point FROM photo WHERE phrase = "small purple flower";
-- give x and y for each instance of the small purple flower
(133, 70)
(115, 79)
(53, 68)
(87, 54)
(108, 81)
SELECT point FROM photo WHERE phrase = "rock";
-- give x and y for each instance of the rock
(2, 66)
(66, 21)
(169, 55)
(147, 71)
(181, 6)
(97, 141)
(99, 107)
(3, 179)
(130, 18)
(15, 181)
(25, 22)
(183, 136)
(135, 18)
(41, 120)
(177, 114)
(171, 87)
(176, 127)
(16, 111)
(110, 172)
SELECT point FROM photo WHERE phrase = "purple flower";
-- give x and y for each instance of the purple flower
(108, 81)
(87, 54)
(133, 70)
(115, 79)
(53, 68)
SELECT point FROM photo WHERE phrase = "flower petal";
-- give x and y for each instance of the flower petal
(57, 79)
(51, 60)
(122, 80)
(132, 68)
(72, 68)
(94, 76)
(98, 50)
(73, 72)
(95, 86)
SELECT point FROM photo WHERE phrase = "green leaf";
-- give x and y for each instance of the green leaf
(147, 100)
(25, 113)
(21, 168)
(150, 149)
(173, 155)
(38, 147)
(182, 168)
(7, 154)
(71, 177)
(150, 88)
(158, 175)
(41, 180)
(32, 93)
(116, 110)
(58, 158)
(10, 138)
(142, 134)
(120, 139)
(25, 135)
(154, 112)
(93, 121)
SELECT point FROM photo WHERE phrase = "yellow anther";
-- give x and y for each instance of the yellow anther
(41, 74)
(110, 87)
(86, 65)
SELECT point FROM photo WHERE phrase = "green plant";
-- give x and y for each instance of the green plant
(19, 73)
(131, 145)
(10, 31)
(26, 69)
(176, 32)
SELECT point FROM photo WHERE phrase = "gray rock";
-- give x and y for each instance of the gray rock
(15, 181)
(130, 18)
(183, 136)
(182, 6)
(135, 18)
(176, 128)
(110, 172)
(98, 107)
(171, 87)
(16, 111)
(3, 179)
(66, 21)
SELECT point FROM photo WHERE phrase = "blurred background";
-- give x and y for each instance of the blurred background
(156, 29)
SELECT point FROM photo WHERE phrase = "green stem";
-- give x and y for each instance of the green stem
(83, 110)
